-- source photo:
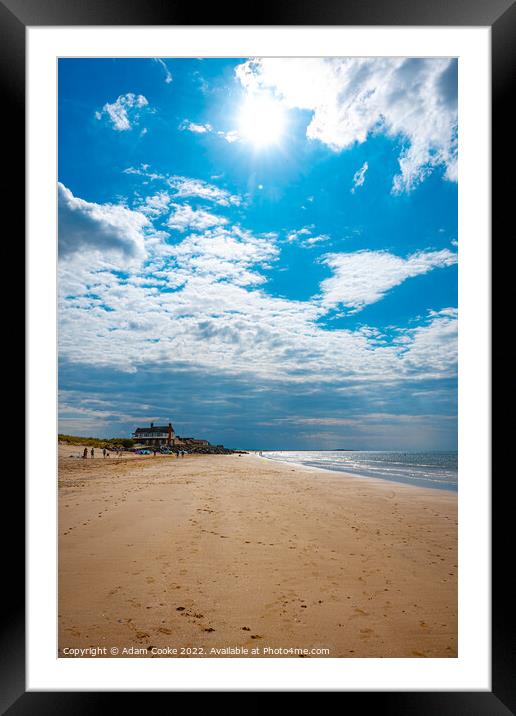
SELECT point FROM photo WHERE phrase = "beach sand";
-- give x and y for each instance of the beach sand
(220, 551)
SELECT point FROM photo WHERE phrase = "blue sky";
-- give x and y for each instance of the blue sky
(263, 251)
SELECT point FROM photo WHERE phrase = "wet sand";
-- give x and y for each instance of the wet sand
(160, 556)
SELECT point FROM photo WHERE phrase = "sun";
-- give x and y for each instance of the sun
(261, 121)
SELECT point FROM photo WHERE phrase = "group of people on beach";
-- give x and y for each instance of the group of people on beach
(105, 453)
(118, 452)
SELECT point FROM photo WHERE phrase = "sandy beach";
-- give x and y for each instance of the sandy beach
(199, 556)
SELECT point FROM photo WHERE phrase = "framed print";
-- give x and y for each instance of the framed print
(259, 322)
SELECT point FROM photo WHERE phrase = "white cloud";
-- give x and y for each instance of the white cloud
(359, 176)
(185, 187)
(224, 254)
(362, 420)
(125, 112)
(78, 414)
(231, 136)
(131, 297)
(168, 74)
(155, 205)
(432, 347)
(352, 98)
(312, 240)
(183, 217)
(215, 320)
(364, 277)
(206, 128)
(293, 236)
(188, 126)
(305, 237)
(104, 228)
(144, 171)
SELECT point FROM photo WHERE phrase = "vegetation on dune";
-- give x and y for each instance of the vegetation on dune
(95, 442)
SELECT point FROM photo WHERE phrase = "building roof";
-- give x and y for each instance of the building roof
(154, 429)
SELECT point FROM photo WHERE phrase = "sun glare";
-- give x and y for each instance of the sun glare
(262, 121)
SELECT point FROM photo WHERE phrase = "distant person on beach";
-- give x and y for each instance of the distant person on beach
(104, 451)
(92, 452)
(85, 453)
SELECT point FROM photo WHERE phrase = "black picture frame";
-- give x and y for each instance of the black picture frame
(500, 16)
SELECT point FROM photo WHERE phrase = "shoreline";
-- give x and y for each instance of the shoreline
(215, 552)
(453, 488)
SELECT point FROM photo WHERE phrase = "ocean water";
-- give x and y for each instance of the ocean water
(423, 469)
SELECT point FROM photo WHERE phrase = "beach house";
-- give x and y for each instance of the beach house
(156, 435)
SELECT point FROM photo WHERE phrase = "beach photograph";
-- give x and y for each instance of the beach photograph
(257, 357)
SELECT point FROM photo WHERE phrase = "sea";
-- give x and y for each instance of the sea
(438, 470)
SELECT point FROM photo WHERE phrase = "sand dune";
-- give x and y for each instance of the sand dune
(224, 552)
